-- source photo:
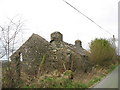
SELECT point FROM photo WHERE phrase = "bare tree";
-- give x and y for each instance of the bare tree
(9, 34)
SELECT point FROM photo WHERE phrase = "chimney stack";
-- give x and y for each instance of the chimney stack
(56, 36)
(78, 44)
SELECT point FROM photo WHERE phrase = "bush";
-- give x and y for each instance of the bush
(101, 51)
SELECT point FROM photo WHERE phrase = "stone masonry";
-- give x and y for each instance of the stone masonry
(38, 56)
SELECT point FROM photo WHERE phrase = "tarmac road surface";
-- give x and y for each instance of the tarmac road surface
(111, 81)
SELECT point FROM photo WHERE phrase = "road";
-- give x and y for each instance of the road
(111, 81)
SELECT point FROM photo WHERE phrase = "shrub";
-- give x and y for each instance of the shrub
(101, 51)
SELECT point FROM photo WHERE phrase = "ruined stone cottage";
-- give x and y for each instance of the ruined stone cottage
(39, 55)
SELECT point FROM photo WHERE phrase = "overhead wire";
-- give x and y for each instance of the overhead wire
(87, 17)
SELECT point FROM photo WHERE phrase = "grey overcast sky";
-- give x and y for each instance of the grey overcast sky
(46, 16)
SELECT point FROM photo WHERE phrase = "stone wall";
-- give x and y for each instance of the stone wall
(40, 57)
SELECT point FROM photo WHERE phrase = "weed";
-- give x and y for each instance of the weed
(112, 68)
(43, 60)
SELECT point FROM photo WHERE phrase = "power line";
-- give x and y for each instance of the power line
(87, 17)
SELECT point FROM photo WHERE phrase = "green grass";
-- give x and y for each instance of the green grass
(29, 86)
(76, 85)
(66, 83)
(112, 68)
(94, 80)
(60, 82)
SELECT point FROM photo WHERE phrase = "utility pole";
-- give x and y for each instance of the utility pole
(113, 42)
(119, 28)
